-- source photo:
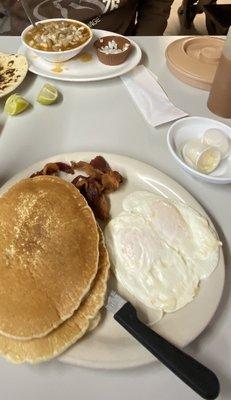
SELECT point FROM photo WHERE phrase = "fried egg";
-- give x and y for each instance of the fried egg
(160, 250)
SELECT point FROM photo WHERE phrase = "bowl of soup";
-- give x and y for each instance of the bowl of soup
(58, 39)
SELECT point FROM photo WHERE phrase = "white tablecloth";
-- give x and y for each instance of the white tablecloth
(102, 117)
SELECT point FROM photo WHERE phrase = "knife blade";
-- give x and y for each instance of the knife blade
(201, 379)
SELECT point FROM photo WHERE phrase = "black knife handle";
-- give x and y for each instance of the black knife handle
(197, 376)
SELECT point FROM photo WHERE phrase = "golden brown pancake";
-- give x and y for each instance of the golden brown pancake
(85, 318)
(48, 255)
(94, 322)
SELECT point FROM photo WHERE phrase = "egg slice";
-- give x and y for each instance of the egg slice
(160, 250)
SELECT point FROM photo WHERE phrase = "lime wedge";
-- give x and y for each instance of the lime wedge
(48, 95)
(15, 104)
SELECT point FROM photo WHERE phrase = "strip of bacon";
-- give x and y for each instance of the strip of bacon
(100, 180)
(54, 168)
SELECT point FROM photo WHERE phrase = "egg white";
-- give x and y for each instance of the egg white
(160, 250)
(182, 227)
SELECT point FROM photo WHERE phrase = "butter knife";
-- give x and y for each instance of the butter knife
(198, 377)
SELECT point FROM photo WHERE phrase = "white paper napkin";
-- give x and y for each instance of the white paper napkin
(149, 97)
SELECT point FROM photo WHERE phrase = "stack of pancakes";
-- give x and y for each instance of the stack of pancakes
(54, 268)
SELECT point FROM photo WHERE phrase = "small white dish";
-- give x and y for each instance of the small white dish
(190, 128)
(57, 56)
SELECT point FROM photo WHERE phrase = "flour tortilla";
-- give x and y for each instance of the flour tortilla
(49, 251)
(13, 70)
(86, 318)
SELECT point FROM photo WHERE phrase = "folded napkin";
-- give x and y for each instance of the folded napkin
(149, 97)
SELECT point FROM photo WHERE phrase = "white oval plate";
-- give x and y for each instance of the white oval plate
(78, 71)
(193, 128)
(110, 346)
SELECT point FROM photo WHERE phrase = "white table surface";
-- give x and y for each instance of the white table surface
(102, 117)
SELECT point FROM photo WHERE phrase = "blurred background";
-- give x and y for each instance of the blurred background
(199, 17)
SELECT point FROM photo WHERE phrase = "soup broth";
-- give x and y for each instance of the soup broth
(57, 35)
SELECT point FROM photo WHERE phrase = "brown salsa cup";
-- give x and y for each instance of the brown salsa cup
(112, 59)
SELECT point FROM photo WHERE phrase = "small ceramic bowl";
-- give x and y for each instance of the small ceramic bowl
(193, 128)
(112, 59)
(57, 56)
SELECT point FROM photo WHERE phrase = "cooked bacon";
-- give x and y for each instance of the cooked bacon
(54, 168)
(39, 173)
(111, 181)
(86, 167)
(50, 169)
(64, 167)
(90, 188)
(92, 191)
(100, 180)
(100, 163)
(102, 207)
(79, 180)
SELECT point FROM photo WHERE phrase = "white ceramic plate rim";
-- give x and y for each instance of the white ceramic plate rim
(192, 171)
(111, 73)
(172, 186)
